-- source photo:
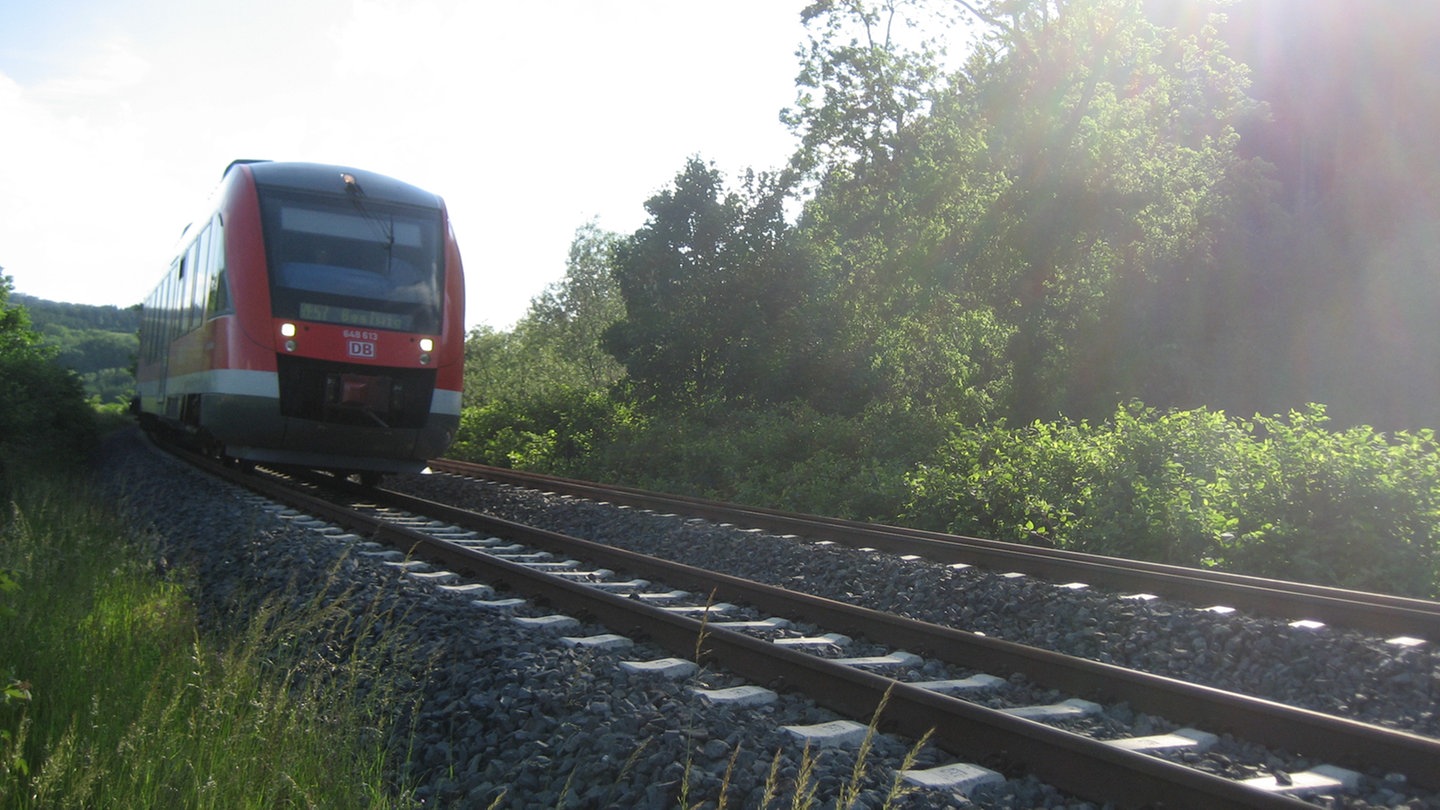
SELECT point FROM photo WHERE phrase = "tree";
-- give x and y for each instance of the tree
(17, 338)
(564, 325)
(1024, 227)
(90, 350)
(1114, 141)
(719, 303)
(860, 89)
(1335, 278)
(555, 347)
(494, 366)
(532, 394)
(895, 186)
(44, 420)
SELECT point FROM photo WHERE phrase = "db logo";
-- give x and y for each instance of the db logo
(361, 348)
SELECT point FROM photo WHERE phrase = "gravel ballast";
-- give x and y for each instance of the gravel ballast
(502, 709)
(1340, 672)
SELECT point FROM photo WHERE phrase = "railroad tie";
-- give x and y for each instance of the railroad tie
(1317, 780)
(670, 668)
(834, 734)
(958, 777)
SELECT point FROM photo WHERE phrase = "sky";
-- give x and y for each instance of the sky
(531, 119)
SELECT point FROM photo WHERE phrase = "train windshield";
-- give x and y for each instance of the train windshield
(354, 261)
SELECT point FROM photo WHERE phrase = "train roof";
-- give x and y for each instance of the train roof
(330, 179)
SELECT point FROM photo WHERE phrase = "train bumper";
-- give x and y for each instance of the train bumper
(252, 428)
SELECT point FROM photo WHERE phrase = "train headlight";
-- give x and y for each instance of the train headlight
(287, 330)
(427, 345)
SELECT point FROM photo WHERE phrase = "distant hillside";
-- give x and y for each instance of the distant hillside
(79, 316)
(98, 343)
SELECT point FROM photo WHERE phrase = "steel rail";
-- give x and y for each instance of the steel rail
(1380, 613)
(1071, 762)
(1345, 742)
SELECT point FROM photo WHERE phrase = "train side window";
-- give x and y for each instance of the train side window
(187, 291)
(160, 312)
(218, 300)
(157, 324)
(147, 333)
(163, 316)
(152, 325)
(172, 300)
(203, 271)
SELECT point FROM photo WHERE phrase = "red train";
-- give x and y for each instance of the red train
(314, 318)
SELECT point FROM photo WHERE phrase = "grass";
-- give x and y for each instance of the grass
(113, 699)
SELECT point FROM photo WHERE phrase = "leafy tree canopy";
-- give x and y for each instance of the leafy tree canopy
(44, 420)
(716, 296)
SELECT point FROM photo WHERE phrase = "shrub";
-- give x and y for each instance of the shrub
(44, 418)
(45, 422)
(1355, 508)
(549, 432)
(784, 456)
(1277, 496)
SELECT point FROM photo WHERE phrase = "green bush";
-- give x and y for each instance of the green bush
(45, 422)
(495, 433)
(551, 432)
(790, 457)
(1277, 496)
(1356, 508)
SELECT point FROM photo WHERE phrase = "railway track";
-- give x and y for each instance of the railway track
(577, 574)
(1398, 617)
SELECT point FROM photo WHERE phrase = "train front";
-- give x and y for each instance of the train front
(366, 309)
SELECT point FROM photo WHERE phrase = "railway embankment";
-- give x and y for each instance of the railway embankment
(494, 708)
